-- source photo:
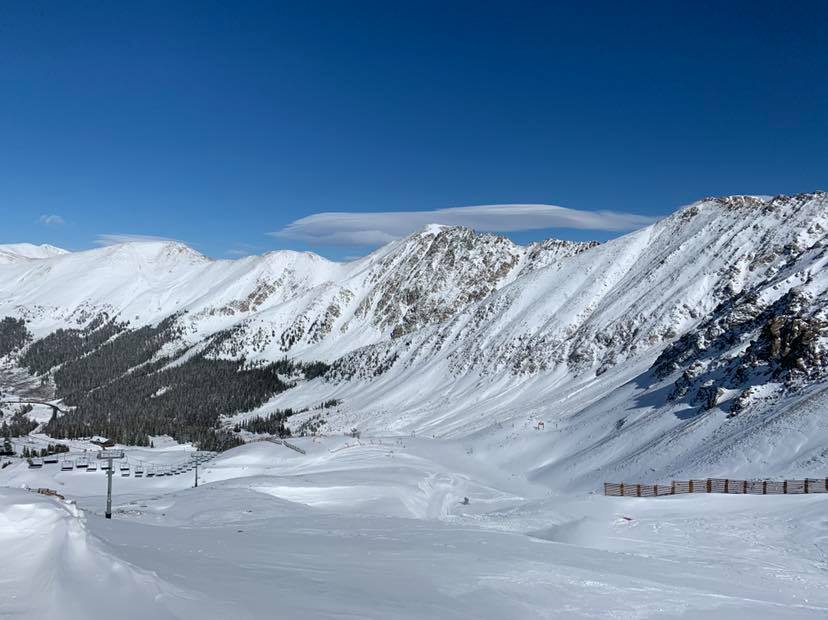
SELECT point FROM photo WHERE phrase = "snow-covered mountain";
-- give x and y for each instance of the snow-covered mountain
(23, 252)
(293, 303)
(669, 350)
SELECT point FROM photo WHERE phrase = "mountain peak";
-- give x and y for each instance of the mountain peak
(18, 252)
(434, 229)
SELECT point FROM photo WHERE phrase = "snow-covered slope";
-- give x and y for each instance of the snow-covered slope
(573, 344)
(280, 303)
(379, 530)
(636, 353)
(23, 252)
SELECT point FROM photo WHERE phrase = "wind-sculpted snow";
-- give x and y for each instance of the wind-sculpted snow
(56, 569)
(380, 529)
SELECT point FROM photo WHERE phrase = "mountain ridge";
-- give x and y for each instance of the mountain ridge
(457, 334)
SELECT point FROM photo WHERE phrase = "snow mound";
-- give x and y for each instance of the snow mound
(59, 570)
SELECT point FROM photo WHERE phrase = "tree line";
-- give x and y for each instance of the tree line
(121, 389)
(13, 335)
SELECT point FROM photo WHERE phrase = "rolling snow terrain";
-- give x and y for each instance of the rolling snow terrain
(520, 377)
(378, 529)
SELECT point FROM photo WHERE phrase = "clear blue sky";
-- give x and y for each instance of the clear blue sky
(217, 123)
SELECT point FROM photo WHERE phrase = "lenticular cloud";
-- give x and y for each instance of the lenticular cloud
(333, 228)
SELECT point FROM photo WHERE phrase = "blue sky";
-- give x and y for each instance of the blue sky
(329, 123)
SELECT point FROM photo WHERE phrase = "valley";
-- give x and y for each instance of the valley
(457, 401)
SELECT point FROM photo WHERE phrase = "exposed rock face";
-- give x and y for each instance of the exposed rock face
(766, 341)
(434, 274)
(636, 294)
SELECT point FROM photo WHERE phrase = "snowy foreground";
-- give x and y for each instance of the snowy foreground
(380, 531)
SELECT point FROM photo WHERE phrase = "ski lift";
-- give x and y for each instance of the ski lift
(50, 458)
(81, 463)
(92, 466)
(67, 465)
(150, 472)
(35, 463)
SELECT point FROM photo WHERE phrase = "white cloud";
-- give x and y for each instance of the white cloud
(115, 239)
(51, 220)
(244, 249)
(369, 229)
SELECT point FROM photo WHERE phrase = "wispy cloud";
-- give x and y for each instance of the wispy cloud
(51, 220)
(114, 239)
(370, 229)
(243, 249)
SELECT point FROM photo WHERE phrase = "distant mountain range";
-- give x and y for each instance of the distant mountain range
(695, 345)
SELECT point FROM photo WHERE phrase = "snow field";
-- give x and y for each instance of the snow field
(379, 531)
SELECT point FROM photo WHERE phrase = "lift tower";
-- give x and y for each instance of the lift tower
(109, 455)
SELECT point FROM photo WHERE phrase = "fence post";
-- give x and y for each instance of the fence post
(806, 485)
(727, 485)
(764, 487)
(744, 487)
(622, 489)
(655, 490)
(785, 486)
(673, 487)
(709, 485)
(638, 490)
(690, 485)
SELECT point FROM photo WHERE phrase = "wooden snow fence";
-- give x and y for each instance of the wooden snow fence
(49, 492)
(292, 446)
(718, 485)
